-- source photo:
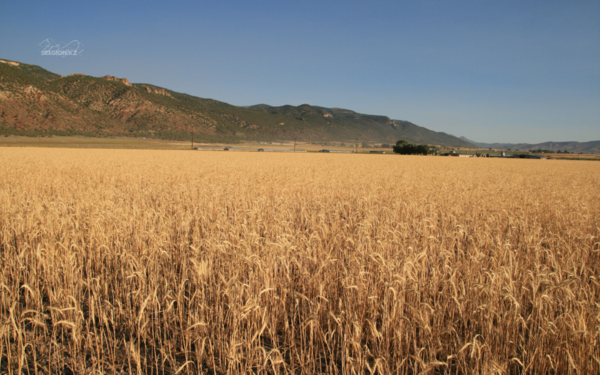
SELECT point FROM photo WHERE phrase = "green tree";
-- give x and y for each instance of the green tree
(404, 148)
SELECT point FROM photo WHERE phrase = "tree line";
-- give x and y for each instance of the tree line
(404, 148)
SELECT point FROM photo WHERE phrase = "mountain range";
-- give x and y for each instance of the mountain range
(37, 102)
(583, 147)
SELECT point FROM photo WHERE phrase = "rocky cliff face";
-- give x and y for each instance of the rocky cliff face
(39, 109)
(11, 63)
(80, 104)
(157, 91)
(113, 78)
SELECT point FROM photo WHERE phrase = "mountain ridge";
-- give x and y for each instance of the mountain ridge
(36, 102)
(571, 146)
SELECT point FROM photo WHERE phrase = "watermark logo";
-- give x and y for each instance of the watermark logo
(51, 48)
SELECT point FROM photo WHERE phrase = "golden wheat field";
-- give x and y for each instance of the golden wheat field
(182, 262)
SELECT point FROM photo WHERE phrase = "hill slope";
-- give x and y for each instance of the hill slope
(345, 124)
(36, 102)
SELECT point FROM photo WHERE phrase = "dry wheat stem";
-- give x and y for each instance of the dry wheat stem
(172, 262)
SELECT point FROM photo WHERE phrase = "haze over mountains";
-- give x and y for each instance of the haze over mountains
(36, 102)
(584, 147)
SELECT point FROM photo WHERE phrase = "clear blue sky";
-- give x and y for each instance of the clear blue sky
(493, 71)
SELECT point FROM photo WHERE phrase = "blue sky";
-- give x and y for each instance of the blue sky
(493, 71)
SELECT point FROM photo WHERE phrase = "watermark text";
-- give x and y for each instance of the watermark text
(51, 48)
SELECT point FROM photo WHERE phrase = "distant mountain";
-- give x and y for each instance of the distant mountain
(494, 145)
(584, 147)
(470, 141)
(36, 102)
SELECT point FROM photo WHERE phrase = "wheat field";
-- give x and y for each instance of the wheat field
(181, 262)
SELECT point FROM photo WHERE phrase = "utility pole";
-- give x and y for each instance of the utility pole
(192, 139)
(356, 146)
(294, 144)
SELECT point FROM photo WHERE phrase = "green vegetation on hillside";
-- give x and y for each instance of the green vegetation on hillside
(41, 103)
(344, 124)
(37, 72)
